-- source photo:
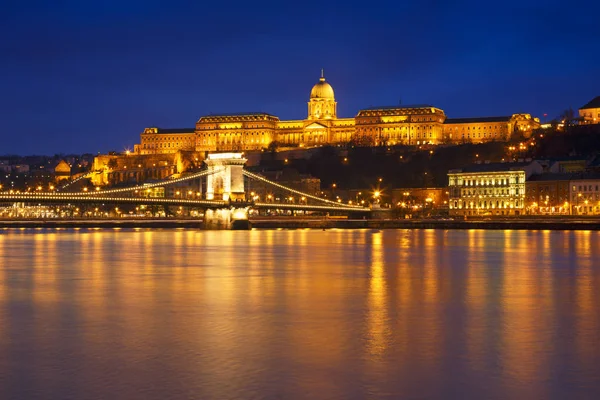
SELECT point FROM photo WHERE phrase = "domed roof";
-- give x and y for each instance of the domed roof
(322, 90)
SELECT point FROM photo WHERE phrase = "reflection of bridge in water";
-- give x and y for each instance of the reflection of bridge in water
(225, 198)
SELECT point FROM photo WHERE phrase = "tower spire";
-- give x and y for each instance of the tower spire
(322, 75)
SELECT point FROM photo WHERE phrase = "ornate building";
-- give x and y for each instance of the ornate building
(409, 125)
(490, 189)
(590, 113)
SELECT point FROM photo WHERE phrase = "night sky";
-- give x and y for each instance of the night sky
(83, 76)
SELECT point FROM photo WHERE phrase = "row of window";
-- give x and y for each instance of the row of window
(477, 128)
(587, 197)
(492, 181)
(584, 188)
(485, 135)
(589, 114)
(485, 204)
(163, 138)
(251, 126)
(502, 191)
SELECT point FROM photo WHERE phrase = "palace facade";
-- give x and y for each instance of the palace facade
(391, 125)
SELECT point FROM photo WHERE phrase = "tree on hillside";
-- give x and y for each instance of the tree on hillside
(362, 141)
(568, 117)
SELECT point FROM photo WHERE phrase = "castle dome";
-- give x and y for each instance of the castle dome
(322, 90)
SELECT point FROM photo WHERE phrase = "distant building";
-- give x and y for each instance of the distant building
(569, 164)
(20, 168)
(117, 169)
(548, 194)
(590, 112)
(408, 197)
(563, 193)
(165, 141)
(62, 171)
(490, 188)
(387, 125)
(585, 195)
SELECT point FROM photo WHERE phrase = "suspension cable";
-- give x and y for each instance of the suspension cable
(138, 187)
(260, 178)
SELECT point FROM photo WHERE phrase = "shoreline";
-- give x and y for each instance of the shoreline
(293, 223)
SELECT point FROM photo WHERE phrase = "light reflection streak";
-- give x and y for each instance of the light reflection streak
(378, 322)
(587, 315)
(525, 309)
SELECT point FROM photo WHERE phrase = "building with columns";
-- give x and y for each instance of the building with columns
(388, 125)
(490, 188)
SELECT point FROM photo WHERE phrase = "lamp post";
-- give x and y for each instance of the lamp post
(376, 196)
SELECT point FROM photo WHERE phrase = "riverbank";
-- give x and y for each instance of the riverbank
(431, 224)
(101, 223)
(314, 223)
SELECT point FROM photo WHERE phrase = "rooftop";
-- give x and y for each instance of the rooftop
(175, 130)
(398, 107)
(492, 167)
(476, 119)
(594, 103)
(239, 114)
(552, 177)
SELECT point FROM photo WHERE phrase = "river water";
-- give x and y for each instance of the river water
(299, 314)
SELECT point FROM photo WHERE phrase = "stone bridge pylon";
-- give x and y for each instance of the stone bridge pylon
(225, 180)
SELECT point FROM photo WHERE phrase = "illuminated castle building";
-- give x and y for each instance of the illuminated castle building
(409, 125)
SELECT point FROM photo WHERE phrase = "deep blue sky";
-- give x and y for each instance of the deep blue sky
(88, 76)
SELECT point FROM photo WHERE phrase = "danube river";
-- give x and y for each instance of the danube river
(299, 314)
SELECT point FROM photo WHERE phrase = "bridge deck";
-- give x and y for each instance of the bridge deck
(92, 199)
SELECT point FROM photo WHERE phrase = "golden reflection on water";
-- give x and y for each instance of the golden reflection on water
(587, 297)
(378, 322)
(523, 312)
(296, 314)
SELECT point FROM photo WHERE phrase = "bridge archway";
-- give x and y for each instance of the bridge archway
(225, 179)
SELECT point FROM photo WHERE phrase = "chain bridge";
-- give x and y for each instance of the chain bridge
(225, 197)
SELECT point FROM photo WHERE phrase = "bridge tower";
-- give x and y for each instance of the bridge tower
(225, 180)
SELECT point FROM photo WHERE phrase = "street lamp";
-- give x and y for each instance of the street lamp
(376, 196)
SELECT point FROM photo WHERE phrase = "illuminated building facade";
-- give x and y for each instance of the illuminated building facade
(62, 171)
(585, 196)
(490, 189)
(564, 193)
(407, 125)
(548, 194)
(590, 113)
(165, 141)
